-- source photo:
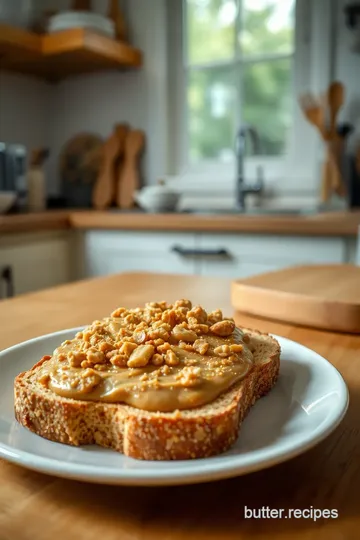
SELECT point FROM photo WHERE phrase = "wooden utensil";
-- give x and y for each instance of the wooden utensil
(115, 14)
(81, 5)
(103, 193)
(122, 131)
(314, 113)
(335, 98)
(129, 178)
(321, 296)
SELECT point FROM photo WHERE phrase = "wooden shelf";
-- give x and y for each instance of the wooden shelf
(63, 54)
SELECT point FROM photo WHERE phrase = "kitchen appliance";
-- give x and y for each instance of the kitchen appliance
(13, 163)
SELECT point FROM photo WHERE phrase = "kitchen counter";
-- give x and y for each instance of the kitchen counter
(325, 477)
(323, 224)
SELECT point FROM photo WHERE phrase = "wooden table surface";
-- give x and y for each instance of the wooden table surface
(38, 507)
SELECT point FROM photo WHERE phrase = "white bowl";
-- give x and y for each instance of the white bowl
(7, 199)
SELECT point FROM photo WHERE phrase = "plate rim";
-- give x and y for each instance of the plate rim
(206, 470)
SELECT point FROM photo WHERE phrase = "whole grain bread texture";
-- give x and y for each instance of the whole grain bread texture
(195, 433)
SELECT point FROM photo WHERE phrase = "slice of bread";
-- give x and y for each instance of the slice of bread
(194, 433)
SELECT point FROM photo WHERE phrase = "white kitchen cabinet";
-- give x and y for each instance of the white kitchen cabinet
(38, 260)
(242, 255)
(110, 252)
(212, 254)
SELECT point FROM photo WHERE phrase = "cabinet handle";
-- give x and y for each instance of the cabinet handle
(6, 274)
(189, 252)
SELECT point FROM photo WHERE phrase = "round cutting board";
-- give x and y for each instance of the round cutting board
(326, 296)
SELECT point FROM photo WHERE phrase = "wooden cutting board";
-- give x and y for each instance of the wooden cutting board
(326, 296)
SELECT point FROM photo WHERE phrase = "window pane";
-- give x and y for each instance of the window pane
(267, 26)
(212, 98)
(210, 30)
(267, 102)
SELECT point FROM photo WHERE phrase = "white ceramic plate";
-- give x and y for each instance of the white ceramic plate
(307, 403)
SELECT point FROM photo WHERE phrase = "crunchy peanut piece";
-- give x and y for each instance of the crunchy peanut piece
(186, 346)
(183, 303)
(169, 316)
(95, 357)
(76, 357)
(127, 348)
(158, 342)
(223, 351)
(119, 360)
(62, 357)
(171, 359)
(118, 312)
(101, 367)
(223, 328)
(246, 338)
(139, 337)
(85, 364)
(183, 334)
(215, 316)
(198, 313)
(163, 348)
(201, 346)
(157, 359)
(105, 346)
(236, 347)
(190, 376)
(79, 335)
(141, 356)
(160, 332)
(200, 328)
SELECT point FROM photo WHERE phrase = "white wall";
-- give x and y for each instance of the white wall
(24, 110)
(96, 102)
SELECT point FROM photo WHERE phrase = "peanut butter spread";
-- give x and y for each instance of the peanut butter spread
(161, 357)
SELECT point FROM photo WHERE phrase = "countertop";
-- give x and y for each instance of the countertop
(33, 505)
(323, 224)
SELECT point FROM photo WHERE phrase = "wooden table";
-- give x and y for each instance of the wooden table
(40, 507)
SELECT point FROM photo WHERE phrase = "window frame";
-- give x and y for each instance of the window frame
(313, 70)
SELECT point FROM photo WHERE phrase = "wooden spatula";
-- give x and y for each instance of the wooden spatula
(129, 178)
(335, 97)
(103, 194)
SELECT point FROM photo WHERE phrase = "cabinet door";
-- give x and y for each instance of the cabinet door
(247, 255)
(110, 252)
(37, 261)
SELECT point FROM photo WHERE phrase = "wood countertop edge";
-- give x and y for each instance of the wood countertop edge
(326, 224)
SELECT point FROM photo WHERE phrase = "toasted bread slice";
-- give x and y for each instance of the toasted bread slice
(195, 433)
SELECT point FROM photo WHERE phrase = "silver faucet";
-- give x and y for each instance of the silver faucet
(243, 189)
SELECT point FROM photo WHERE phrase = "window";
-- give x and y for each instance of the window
(246, 61)
(238, 61)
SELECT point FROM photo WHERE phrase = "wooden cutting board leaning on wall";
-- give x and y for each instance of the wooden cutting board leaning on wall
(326, 296)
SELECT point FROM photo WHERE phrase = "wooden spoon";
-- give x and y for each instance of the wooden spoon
(122, 131)
(336, 94)
(314, 112)
(129, 178)
(115, 14)
(103, 193)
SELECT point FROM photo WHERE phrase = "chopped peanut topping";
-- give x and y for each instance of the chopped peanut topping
(141, 356)
(223, 328)
(160, 346)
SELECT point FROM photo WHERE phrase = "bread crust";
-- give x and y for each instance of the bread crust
(196, 433)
